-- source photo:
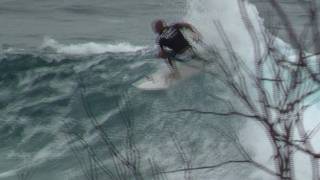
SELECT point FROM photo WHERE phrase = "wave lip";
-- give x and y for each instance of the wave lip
(89, 48)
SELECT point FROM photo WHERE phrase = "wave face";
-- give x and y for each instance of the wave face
(51, 100)
(55, 98)
(41, 104)
(52, 97)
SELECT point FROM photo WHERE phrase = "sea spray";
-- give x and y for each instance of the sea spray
(244, 30)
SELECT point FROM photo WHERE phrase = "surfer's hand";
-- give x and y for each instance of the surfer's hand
(162, 54)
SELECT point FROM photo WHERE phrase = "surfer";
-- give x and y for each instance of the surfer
(172, 44)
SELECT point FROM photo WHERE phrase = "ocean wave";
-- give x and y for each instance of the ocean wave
(226, 16)
(89, 48)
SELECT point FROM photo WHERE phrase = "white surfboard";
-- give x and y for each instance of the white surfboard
(163, 79)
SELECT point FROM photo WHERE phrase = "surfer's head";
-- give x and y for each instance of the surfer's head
(158, 25)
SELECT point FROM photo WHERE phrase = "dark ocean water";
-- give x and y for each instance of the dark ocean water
(26, 23)
(67, 100)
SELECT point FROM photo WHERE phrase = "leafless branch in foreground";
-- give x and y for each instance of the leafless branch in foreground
(275, 93)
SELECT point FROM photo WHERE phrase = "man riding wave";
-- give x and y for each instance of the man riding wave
(172, 43)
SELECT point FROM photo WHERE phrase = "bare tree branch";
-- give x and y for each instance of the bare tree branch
(234, 113)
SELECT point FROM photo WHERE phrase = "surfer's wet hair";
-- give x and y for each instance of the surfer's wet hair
(158, 25)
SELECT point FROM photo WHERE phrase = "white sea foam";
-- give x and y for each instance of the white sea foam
(89, 48)
(202, 14)
(9, 173)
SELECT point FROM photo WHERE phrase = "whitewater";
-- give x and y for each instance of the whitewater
(67, 69)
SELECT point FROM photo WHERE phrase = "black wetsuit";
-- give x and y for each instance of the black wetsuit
(172, 38)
